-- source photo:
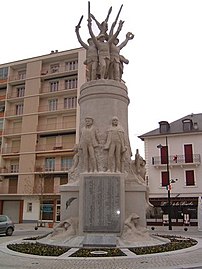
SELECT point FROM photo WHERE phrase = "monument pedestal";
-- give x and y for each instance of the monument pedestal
(135, 201)
(102, 201)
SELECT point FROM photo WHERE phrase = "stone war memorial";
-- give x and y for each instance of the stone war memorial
(106, 198)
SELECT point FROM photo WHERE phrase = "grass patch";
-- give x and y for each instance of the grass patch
(38, 249)
(176, 243)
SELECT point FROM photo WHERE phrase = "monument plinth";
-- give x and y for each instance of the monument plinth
(103, 98)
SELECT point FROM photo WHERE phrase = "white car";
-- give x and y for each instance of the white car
(6, 225)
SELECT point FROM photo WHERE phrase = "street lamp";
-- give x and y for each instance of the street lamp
(168, 184)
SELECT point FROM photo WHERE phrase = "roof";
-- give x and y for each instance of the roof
(177, 127)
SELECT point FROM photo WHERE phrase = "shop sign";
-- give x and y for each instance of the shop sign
(181, 203)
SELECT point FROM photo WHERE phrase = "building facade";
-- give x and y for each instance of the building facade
(38, 130)
(173, 160)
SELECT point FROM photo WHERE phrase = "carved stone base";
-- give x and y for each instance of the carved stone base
(101, 203)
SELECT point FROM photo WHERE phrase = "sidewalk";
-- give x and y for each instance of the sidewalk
(30, 227)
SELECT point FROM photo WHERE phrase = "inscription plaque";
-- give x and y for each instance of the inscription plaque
(102, 203)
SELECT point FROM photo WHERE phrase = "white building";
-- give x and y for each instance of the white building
(181, 143)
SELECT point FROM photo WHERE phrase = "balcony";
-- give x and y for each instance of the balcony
(177, 160)
(14, 112)
(57, 91)
(10, 150)
(59, 108)
(55, 147)
(12, 169)
(17, 79)
(3, 81)
(57, 71)
(42, 169)
(13, 130)
(65, 126)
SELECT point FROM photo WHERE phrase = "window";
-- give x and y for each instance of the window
(72, 65)
(29, 207)
(48, 184)
(71, 83)
(2, 108)
(64, 179)
(22, 74)
(4, 73)
(54, 86)
(19, 109)
(14, 168)
(3, 218)
(188, 152)
(54, 68)
(70, 102)
(20, 91)
(12, 185)
(164, 155)
(47, 210)
(187, 125)
(53, 104)
(190, 178)
(164, 126)
(50, 164)
(66, 163)
(164, 179)
(1, 124)
(51, 123)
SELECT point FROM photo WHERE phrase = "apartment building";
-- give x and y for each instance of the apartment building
(173, 160)
(39, 117)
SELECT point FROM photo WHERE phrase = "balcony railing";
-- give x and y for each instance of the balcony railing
(57, 126)
(175, 160)
(58, 107)
(13, 130)
(58, 69)
(48, 169)
(10, 150)
(48, 89)
(14, 168)
(55, 147)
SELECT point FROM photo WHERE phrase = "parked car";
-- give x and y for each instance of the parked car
(6, 225)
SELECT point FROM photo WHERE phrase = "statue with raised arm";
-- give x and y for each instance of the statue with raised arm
(116, 61)
(103, 47)
(91, 61)
(103, 26)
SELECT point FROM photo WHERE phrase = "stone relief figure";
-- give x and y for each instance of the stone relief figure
(132, 231)
(138, 167)
(116, 61)
(88, 143)
(66, 228)
(91, 61)
(116, 145)
(75, 159)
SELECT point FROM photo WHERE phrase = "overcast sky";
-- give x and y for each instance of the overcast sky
(164, 76)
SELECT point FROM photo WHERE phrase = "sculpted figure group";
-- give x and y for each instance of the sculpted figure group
(115, 146)
(103, 59)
